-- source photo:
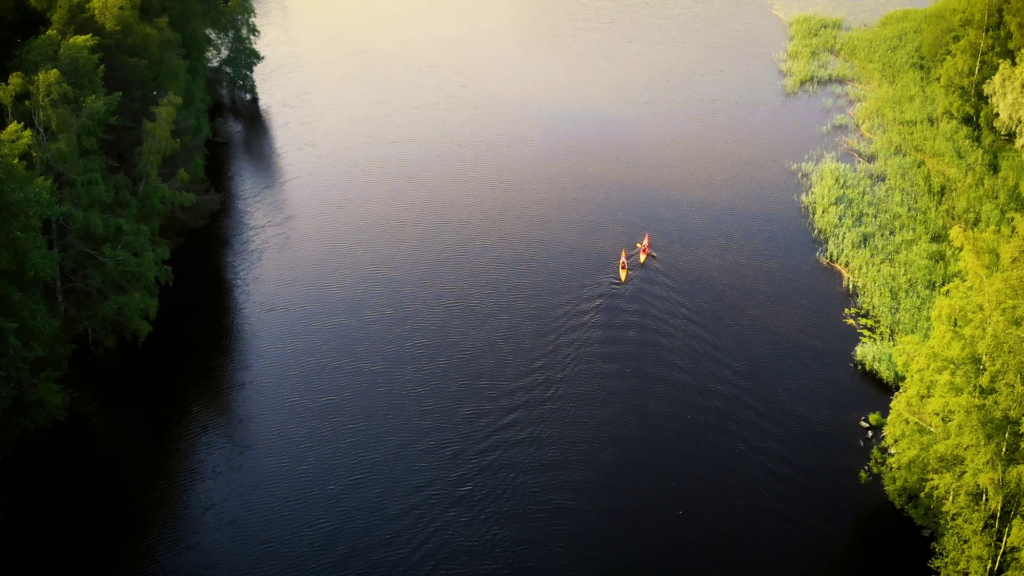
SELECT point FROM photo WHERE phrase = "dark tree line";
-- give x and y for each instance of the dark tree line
(102, 139)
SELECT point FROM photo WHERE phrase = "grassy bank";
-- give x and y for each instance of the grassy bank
(921, 209)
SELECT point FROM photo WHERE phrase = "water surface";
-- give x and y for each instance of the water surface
(416, 356)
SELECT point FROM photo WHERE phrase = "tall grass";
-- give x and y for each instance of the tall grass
(809, 59)
(884, 210)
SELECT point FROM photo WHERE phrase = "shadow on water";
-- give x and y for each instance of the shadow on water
(877, 529)
(257, 143)
(79, 491)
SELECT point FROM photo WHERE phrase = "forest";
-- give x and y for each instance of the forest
(921, 210)
(102, 144)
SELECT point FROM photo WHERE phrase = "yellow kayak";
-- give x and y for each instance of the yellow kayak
(623, 266)
(645, 248)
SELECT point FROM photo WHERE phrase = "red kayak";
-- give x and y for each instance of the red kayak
(645, 248)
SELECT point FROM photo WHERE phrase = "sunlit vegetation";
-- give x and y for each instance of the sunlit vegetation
(810, 59)
(921, 209)
(102, 138)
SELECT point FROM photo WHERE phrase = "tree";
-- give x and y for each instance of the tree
(31, 356)
(105, 110)
(1006, 92)
(233, 47)
(955, 436)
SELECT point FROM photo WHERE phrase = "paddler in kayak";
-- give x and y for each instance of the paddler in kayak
(645, 248)
(623, 266)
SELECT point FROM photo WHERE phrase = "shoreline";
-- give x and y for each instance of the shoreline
(930, 236)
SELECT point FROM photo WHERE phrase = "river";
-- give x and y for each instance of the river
(402, 347)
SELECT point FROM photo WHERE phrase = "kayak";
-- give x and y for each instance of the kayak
(623, 266)
(645, 248)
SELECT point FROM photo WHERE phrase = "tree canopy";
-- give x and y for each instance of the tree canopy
(105, 120)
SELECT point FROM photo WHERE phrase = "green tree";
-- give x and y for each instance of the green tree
(955, 432)
(31, 357)
(19, 21)
(233, 47)
(979, 39)
(106, 115)
(1006, 92)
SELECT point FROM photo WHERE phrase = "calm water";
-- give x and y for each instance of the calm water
(403, 347)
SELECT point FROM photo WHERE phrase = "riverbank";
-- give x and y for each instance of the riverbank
(78, 485)
(921, 208)
(88, 484)
(102, 169)
(111, 178)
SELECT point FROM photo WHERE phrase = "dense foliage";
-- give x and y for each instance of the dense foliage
(923, 213)
(102, 139)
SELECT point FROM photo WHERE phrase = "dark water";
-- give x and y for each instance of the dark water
(403, 347)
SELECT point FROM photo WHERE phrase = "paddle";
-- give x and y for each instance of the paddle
(651, 252)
